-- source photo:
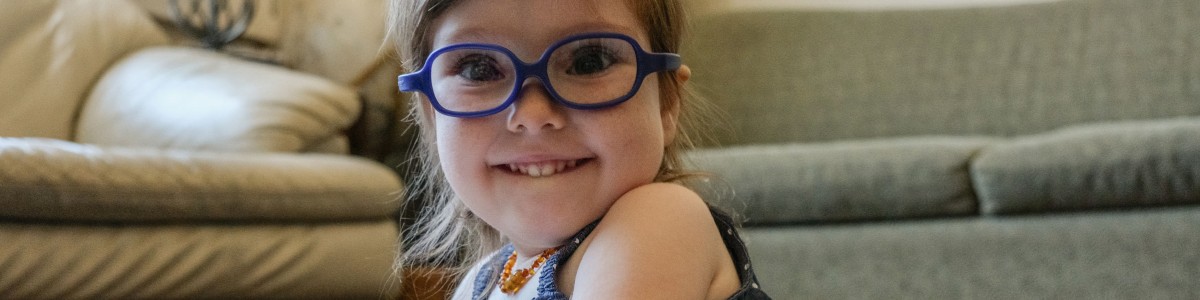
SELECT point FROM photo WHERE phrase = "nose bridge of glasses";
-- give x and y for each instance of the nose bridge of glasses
(532, 73)
(528, 111)
(534, 85)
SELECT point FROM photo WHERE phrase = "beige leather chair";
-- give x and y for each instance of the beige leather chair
(132, 169)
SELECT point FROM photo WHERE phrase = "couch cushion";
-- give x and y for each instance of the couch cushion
(843, 181)
(189, 98)
(790, 74)
(53, 180)
(52, 52)
(1143, 254)
(260, 260)
(1092, 166)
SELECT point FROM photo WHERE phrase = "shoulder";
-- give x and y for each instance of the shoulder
(663, 215)
(469, 281)
(466, 285)
(657, 241)
(655, 201)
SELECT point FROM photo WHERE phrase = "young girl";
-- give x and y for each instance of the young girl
(550, 151)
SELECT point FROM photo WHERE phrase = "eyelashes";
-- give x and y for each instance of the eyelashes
(590, 60)
(587, 58)
(478, 67)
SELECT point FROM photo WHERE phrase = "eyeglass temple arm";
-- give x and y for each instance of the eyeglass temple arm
(666, 61)
(409, 82)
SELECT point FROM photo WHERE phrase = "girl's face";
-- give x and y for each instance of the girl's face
(571, 165)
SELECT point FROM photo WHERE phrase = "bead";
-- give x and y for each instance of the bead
(512, 281)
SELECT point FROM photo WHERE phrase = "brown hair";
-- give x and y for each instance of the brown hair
(444, 223)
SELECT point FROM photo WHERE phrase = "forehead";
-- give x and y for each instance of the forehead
(529, 26)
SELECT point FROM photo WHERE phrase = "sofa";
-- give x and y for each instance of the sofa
(1018, 149)
(134, 169)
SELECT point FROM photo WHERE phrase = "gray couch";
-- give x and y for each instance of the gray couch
(1040, 150)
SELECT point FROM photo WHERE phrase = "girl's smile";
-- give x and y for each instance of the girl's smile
(538, 159)
(543, 168)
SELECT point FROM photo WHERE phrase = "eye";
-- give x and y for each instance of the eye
(478, 67)
(590, 60)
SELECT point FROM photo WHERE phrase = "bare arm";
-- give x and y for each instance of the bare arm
(657, 241)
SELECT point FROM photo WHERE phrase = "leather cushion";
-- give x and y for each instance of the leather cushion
(188, 98)
(52, 52)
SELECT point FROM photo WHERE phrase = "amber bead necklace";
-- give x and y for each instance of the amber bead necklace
(512, 281)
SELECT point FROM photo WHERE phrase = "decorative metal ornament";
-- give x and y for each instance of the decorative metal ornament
(214, 23)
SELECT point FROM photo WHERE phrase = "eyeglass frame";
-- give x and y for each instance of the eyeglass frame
(647, 63)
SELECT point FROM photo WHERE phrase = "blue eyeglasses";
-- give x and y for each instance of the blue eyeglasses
(586, 71)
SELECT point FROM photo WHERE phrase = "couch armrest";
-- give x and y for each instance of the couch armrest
(186, 98)
(44, 179)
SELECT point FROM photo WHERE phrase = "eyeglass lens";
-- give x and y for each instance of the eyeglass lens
(586, 71)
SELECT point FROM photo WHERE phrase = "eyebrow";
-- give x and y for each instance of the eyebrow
(483, 34)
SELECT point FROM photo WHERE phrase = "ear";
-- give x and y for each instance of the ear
(670, 114)
(684, 73)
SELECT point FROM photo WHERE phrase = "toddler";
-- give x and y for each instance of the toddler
(550, 142)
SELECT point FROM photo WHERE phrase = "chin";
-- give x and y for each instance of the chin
(555, 227)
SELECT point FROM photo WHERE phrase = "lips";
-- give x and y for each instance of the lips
(543, 168)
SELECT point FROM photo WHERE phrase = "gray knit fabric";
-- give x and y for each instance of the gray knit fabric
(806, 183)
(1092, 166)
(795, 75)
(1146, 254)
(1038, 151)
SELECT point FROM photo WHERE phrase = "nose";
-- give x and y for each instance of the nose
(535, 110)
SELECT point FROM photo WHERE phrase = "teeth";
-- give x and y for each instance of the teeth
(543, 169)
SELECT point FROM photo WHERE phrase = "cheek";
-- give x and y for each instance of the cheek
(647, 115)
(456, 148)
(637, 130)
